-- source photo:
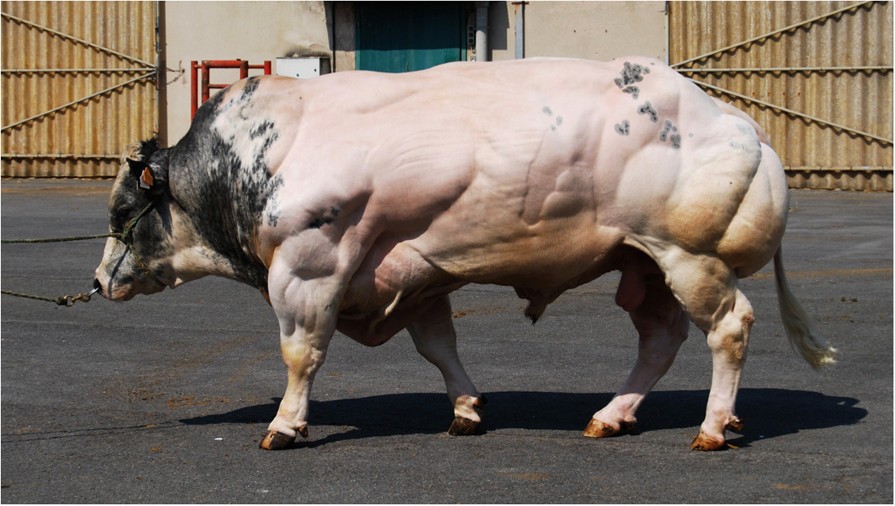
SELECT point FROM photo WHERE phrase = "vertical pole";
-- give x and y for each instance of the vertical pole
(205, 81)
(520, 29)
(194, 88)
(162, 75)
(267, 70)
(243, 69)
(481, 31)
(667, 33)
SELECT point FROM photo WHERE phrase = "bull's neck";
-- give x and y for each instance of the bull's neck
(220, 173)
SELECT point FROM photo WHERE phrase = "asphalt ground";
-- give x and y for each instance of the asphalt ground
(164, 398)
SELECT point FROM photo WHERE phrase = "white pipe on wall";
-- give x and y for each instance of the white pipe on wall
(481, 31)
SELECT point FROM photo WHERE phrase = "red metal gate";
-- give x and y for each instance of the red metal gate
(205, 68)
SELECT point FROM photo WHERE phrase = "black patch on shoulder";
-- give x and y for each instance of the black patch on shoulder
(226, 199)
(207, 112)
(250, 87)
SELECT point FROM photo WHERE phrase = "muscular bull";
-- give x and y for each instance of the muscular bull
(358, 201)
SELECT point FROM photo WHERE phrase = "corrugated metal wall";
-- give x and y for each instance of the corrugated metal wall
(841, 77)
(43, 70)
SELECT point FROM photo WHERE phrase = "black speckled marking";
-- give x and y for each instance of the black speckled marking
(675, 141)
(273, 209)
(633, 90)
(325, 219)
(666, 128)
(631, 73)
(669, 132)
(647, 108)
(623, 128)
(261, 130)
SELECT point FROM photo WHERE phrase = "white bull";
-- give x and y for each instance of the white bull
(358, 201)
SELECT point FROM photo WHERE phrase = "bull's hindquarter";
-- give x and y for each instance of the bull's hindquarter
(393, 190)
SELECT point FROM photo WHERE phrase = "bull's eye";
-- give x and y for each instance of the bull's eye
(118, 217)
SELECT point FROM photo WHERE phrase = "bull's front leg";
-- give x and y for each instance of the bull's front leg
(435, 339)
(307, 314)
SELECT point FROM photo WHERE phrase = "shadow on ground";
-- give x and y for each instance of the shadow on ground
(767, 413)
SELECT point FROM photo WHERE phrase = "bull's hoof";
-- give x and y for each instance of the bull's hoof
(276, 441)
(706, 443)
(735, 425)
(464, 427)
(598, 429)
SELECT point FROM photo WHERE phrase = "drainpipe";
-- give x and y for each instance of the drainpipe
(161, 65)
(520, 29)
(667, 34)
(481, 31)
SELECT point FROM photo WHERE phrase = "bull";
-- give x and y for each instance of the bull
(356, 202)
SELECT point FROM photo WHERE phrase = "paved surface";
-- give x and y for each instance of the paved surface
(164, 398)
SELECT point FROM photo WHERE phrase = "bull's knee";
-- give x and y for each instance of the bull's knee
(731, 336)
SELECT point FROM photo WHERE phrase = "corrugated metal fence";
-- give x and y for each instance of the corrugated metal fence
(79, 82)
(78, 85)
(816, 75)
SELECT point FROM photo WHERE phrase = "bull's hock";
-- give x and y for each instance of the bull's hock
(358, 201)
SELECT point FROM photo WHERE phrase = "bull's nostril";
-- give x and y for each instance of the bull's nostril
(97, 286)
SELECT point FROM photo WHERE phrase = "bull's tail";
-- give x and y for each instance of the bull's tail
(815, 348)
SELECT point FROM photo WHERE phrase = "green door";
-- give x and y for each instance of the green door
(408, 36)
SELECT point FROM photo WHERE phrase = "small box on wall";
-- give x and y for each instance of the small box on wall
(303, 68)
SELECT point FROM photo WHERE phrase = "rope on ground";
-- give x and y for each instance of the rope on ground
(64, 300)
(55, 239)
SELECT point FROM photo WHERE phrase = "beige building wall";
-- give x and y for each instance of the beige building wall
(247, 30)
(258, 31)
(590, 30)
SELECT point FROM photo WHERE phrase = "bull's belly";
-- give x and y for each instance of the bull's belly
(397, 281)
(547, 254)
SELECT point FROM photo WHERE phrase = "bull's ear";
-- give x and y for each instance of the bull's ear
(141, 171)
(149, 177)
(146, 179)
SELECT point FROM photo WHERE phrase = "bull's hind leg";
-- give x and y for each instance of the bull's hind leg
(435, 339)
(662, 325)
(707, 288)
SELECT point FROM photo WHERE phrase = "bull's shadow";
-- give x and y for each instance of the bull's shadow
(768, 413)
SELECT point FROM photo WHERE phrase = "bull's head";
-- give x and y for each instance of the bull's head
(137, 258)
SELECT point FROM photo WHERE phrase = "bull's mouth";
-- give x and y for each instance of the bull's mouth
(123, 290)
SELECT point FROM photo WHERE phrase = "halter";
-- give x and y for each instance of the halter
(126, 237)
